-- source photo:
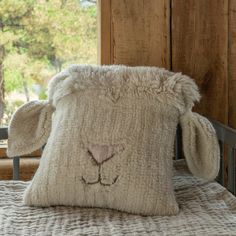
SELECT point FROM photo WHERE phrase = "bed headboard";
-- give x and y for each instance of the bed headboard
(227, 142)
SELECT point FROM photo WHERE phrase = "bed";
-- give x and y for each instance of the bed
(206, 208)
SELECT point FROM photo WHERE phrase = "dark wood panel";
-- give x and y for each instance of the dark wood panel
(141, 32)
(104, 31)
(232, 63)
(199, 49)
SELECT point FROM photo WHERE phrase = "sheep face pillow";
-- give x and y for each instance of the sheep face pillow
(109, 134)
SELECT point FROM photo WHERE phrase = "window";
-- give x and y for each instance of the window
(38, 38)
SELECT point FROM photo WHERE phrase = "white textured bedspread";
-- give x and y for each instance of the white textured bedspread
(206, 209)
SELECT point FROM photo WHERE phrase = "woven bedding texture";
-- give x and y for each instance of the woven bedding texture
(206, 208)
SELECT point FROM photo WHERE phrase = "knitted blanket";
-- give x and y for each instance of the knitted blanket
(206, 208)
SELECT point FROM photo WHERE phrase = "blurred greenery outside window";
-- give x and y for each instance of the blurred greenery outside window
(38, 38)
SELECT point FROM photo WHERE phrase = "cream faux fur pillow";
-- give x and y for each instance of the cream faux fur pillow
(110, 134)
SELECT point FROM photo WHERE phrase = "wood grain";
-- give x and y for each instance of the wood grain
(141, 32)
(232, 63)
(199, 49)
(3, 153)
(28, 167)
(104, 31)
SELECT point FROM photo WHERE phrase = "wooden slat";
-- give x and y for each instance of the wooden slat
(226, 164)
(199, 49)
(104, 31)
(232, 63)
(3, 153)
(141, 32)
(28, 167)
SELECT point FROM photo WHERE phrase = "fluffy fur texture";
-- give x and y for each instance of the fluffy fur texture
(115, 82)
(33, 120)
(111, 142)
(200, 146)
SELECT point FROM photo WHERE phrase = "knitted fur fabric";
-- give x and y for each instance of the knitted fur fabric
(110, 134)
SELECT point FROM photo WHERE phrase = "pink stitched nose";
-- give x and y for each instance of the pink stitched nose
(102, 153)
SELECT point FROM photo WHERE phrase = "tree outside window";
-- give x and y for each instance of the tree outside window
(38, 38)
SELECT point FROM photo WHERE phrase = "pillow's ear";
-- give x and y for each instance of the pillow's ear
(200, 145)
(29, 128)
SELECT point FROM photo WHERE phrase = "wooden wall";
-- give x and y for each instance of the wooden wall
(197, 37)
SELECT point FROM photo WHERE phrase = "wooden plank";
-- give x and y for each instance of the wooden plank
(104, 32)
(232, 63)
(141, 32)
(199, 49)
(28, 167)
(3, 153)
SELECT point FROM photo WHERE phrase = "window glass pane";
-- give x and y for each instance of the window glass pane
(38, 38)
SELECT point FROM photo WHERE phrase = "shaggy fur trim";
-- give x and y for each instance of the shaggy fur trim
(118, 81)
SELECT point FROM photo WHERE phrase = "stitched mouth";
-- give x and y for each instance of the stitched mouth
(99, 181)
